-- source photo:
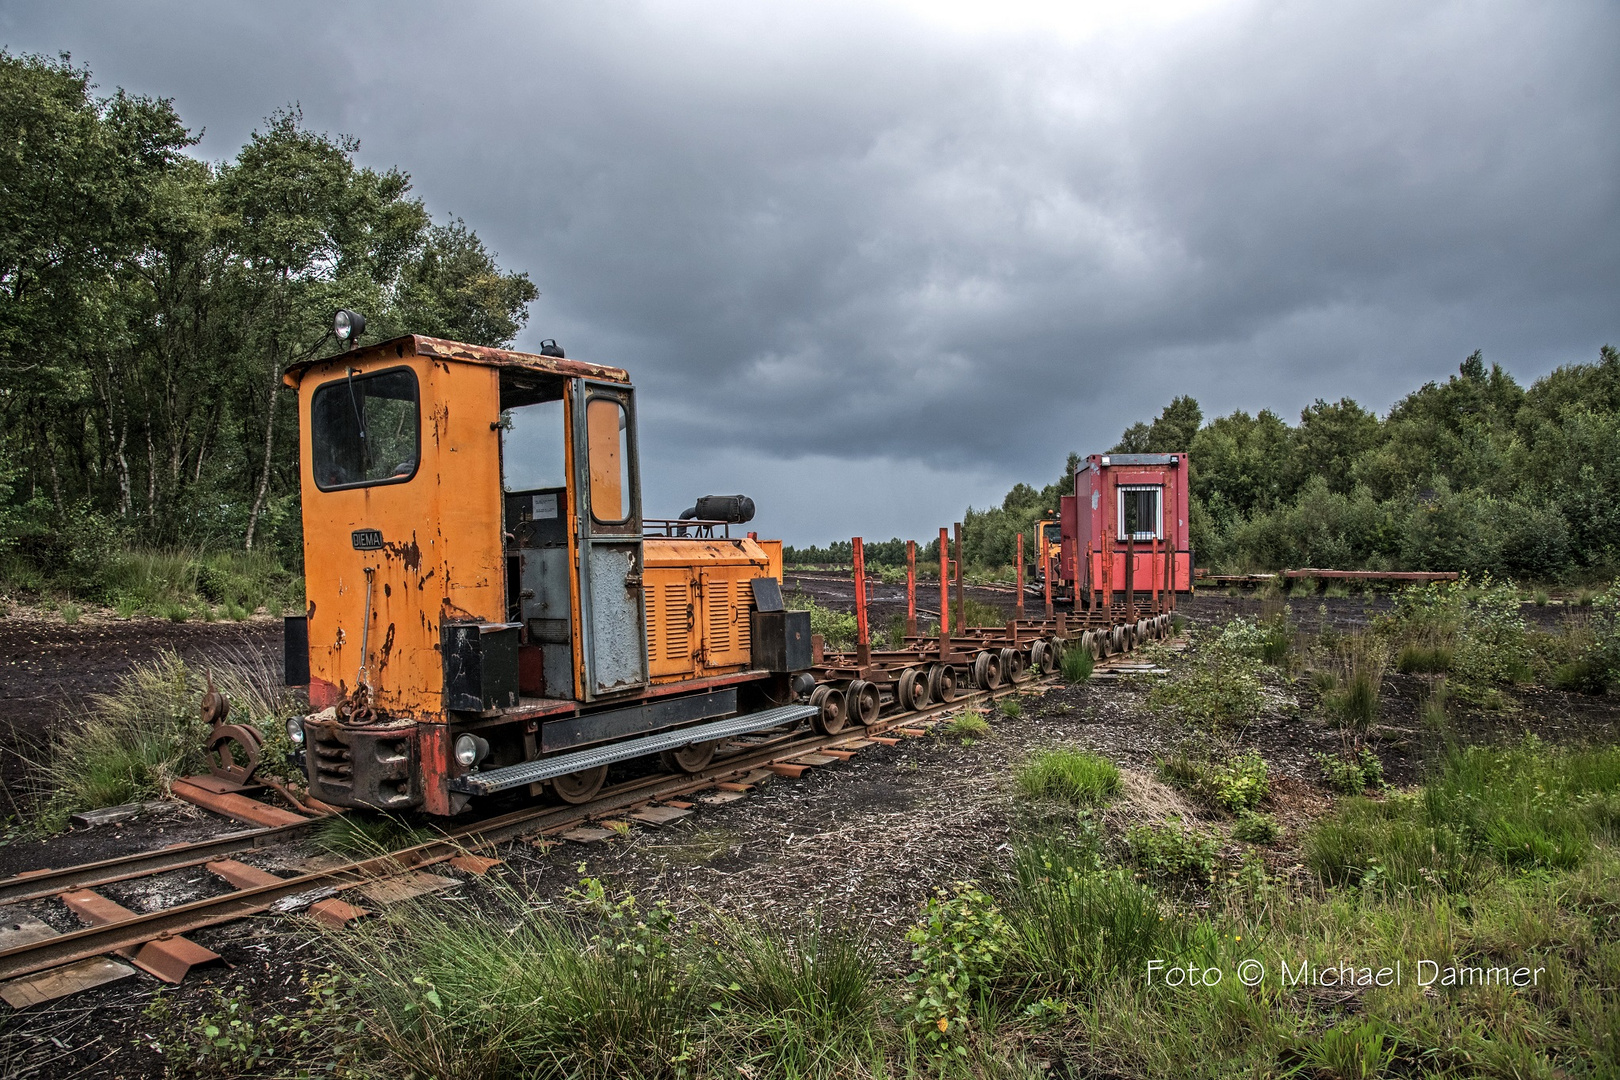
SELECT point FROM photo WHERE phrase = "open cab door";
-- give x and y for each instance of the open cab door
(607, 483)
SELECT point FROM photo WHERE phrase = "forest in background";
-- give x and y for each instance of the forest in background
(1476, 474)
(149, 302)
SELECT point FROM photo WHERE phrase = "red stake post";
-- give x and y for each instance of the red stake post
(863, 643)
(944, 590)
(911, 588)
(1020, 575)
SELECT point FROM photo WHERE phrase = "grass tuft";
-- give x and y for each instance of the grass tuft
(1076, 665)
(1069, 776)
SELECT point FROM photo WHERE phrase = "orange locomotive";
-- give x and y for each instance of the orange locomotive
(486, 610)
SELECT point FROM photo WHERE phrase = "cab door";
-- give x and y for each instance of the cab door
(607, 478)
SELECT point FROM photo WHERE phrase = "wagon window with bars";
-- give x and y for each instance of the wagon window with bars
(1140, 516)
(366, 429)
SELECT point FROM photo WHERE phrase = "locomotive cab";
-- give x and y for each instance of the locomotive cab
(485, 612)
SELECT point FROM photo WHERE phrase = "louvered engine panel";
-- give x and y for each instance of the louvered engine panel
(669, 632)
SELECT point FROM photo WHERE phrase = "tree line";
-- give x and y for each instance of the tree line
(149, 301)
(1476, 473)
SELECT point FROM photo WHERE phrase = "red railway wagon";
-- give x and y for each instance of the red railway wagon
(1123, 533)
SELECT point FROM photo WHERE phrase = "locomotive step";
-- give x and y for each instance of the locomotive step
(528, 772)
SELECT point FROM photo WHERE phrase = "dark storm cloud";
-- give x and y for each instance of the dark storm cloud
(881, 268)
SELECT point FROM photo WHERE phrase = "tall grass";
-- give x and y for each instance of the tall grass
(1069, 776)
(135, 741)
(1076, 664)
(517, 989)
(1521, 808)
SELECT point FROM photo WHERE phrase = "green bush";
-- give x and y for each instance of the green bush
(1256, 828)
(837, 628)
(1221, 686)
(1069, 776)
(1239, 784)
(959, 948)
(1172, 850)
(1352, 772)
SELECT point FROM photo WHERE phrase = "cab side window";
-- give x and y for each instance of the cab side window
(366, 429)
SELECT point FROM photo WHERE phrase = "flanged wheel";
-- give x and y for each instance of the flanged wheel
(1038, 656)
(1055, 650)
(1088, 643)
(691, 758)
(1102, 642)
(579, 787)
(861, 702)
(987, 671)
(830, 719)
(1116, 640)
(941, 683)
(913, 689)
(1013, 664)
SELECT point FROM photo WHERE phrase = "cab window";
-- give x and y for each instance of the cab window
(366, 429)
(607, 438)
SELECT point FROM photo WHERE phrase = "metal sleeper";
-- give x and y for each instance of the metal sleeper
(529, 772)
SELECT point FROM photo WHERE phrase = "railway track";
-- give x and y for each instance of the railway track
(291, 893)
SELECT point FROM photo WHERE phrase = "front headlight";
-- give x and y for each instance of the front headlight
(295, 730)
(470, 750)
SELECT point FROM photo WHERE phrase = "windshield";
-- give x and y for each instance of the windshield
(365, 429)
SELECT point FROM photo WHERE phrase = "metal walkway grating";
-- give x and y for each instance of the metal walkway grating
(529, 772)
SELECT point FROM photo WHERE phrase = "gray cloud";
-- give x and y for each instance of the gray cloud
(872, 269)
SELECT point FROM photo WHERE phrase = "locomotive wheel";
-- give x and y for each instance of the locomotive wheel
(941, 683)
(1013, 665)
(861, 702)
(830, 720)
(913, 689)
(579, 787)
(691, 758)
(987, 671)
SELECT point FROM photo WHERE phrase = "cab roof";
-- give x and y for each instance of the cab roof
(440, 349)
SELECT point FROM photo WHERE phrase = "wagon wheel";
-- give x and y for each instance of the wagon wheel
(861, 702)
(579, 787)
(913, 689)
(987, 671)
(941, 683)
(690, 758)
(1013, 665)
(829, 720)
(233, 752)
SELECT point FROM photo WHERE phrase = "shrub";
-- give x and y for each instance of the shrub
(1076, 665)
(1352, 772)
(1069, 776)
(71, 613)
(1170, 850)
(1222, 684)
(1256, 828)
(1239, 784)
(1235, 785)
(959, 947)
(837, 628)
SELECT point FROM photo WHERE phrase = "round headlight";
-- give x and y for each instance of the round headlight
(295, 730)
(470, 749)
(347, 326)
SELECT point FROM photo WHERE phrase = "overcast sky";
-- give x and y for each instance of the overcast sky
(873, 263)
